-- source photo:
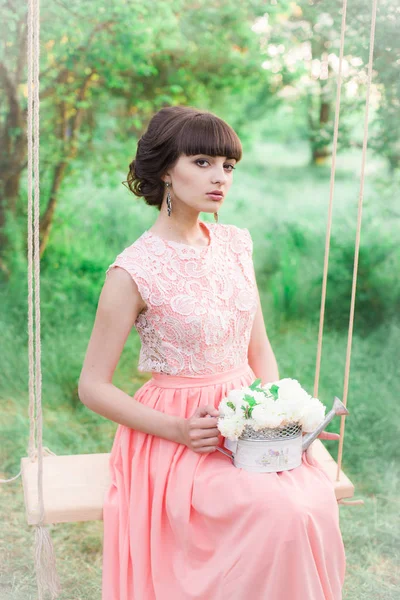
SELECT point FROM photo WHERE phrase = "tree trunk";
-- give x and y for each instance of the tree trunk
(13, 147)
(321, 154)
(47, 219)
(69, 130)
(320, 151)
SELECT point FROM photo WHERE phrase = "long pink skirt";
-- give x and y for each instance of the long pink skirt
(179, 525)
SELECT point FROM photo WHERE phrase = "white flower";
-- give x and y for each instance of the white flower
(290, 390)
(266, 416)
(266, 387)
(236, 397)
(293, 409)
(225, 410)
(293, 405)
(259, 397)
(246, 390)
(231, 427)
(313, 415)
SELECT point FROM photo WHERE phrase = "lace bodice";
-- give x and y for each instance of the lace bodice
(200, 301)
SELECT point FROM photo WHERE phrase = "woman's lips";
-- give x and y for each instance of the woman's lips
(215, 196)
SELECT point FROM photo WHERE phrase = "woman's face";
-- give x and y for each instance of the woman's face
(193, 177)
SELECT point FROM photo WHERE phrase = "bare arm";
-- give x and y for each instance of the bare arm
(118, 307)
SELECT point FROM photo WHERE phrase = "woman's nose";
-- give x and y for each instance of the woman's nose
(220, 177)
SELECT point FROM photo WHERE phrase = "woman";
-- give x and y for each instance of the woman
(181, 522)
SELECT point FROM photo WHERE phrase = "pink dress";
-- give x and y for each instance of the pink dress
(179, 525)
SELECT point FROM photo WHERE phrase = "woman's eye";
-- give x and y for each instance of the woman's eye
(204, 160)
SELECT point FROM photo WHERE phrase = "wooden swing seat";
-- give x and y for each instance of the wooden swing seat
(74, 486)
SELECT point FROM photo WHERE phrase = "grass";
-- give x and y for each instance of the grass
(283, 201)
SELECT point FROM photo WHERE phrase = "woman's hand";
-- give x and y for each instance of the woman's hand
(327, 435)
(200, 432)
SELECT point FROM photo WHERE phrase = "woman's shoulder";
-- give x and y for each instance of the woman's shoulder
(131, 255)
(234, 233)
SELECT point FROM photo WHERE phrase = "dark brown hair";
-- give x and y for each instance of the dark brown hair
(173, 131)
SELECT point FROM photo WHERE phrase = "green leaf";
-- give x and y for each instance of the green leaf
(250, 400)
(255, 383)
(274, 391)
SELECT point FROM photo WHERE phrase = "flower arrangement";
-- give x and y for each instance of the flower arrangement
(273, 405)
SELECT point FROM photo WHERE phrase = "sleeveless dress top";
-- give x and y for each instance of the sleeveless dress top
(200, 301)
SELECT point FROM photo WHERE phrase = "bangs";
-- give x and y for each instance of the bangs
(208, 134)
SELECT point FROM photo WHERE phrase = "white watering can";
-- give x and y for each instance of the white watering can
(271, 450)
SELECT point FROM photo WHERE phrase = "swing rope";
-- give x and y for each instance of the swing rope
(359, 217)
(44, 556)
(330, 206)
(358, 230)
(46, 573)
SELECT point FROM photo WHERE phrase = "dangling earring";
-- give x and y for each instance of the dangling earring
(169, 205)
(216, 217)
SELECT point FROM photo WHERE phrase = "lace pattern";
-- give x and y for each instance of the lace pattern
(200, 302)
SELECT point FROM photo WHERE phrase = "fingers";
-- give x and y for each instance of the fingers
(206, 443)
(204, 433)
(198, 434)
(327, 435)
(204, 426)
(209, 409)
(203, 417)
(202, 411)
